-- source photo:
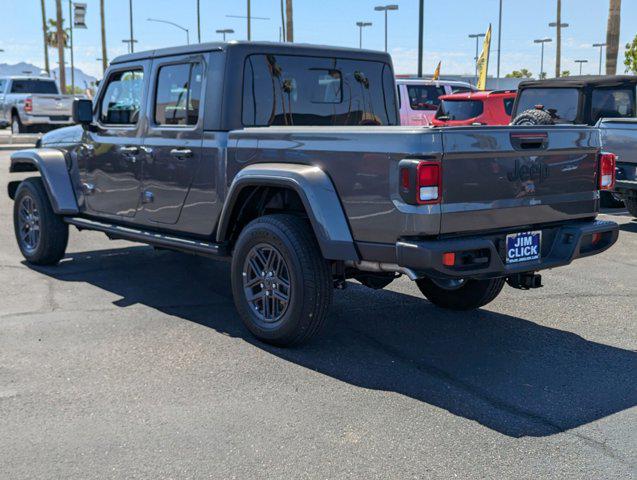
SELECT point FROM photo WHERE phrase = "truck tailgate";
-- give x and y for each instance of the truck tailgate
(499, 177)
(52, 105)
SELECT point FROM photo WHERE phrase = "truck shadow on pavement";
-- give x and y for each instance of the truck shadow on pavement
(506, 373)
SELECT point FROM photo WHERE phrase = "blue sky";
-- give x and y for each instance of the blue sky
(447, 23)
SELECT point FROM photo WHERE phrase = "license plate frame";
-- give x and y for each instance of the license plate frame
(523, 247)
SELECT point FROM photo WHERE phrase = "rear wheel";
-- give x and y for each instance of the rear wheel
(282, 286)
(16, 125)
(41, 234)
(631, 205)
(610, 200)
(460, 294)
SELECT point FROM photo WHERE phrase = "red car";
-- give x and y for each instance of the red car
(475, 108)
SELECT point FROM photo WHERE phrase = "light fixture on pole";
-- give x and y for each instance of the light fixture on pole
(601, 46)
(174, 25)
(224, 31)
(130, 44)
(542, 41)
(250, 18)
(360, 26)
(580, 64)
(477, 36)
(385, 9)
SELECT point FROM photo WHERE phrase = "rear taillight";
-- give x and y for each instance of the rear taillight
(28, 104)
(429, 182)
(420, 181)
(607, 163)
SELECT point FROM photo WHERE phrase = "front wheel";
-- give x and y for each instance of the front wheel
(282, 286)
(461, 294)
(41, 234)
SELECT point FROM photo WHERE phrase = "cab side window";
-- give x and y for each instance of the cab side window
(178, 94)
(122, 99)
(613, 103)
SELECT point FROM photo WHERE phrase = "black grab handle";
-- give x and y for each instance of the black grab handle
(530, 140)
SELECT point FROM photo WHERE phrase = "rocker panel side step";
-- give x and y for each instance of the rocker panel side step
(157, 239)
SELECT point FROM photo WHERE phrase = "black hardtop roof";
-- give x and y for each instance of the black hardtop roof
(581, 81)
(257, 47)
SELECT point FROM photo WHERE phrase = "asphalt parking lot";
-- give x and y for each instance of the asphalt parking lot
(124, 362)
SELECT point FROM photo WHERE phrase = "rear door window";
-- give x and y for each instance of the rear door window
(613, 103)
(122, 99)
(563, 103)
(508, 105)
(294, 90)
(460, 109)
(424, 97)
(34, 86)
(178, 94)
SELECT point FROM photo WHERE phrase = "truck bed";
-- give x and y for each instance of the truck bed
(493, 177)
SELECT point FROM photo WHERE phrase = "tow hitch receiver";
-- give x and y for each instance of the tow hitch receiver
(525, 281)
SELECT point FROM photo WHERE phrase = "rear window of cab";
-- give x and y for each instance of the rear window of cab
(459, 109)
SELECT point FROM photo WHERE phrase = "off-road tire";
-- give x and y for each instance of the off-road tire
(53, 231)
(473, 294)
(533, 117)
(607, 200)
(309, 275)
(631, 205)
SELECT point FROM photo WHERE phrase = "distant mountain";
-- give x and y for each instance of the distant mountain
(81, 79)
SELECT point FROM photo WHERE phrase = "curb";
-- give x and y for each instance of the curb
(16, 146)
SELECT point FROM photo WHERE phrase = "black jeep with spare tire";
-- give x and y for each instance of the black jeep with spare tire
(290, 161)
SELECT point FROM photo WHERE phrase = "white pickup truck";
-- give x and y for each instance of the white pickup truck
(33, 104)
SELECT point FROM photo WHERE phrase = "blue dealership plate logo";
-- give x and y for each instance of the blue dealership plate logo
(524, 246)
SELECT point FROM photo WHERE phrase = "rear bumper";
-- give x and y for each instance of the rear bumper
(61, 119)
(560, 246)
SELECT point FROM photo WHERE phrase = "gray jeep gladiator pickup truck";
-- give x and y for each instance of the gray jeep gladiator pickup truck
(290, 161)
(607, 102)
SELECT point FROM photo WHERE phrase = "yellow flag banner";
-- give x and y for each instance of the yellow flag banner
(437, 71)
(483, 61)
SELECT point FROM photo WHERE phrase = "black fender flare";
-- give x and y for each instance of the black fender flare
(319, 198)
(51, 164)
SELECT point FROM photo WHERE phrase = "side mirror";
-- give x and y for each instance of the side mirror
(82, 111)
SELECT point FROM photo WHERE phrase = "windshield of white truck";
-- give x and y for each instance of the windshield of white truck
(34, 86)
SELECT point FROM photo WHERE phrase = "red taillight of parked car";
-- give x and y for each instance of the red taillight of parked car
(28, 104)
(607, 163)
(429, 182)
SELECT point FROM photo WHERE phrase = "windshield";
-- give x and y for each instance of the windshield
(424, 97)
(34, 86)
(562, 103)
(459, 109)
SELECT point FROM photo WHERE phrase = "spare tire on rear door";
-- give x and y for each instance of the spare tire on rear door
(534, 116)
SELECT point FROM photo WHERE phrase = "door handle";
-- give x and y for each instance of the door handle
(181, 152)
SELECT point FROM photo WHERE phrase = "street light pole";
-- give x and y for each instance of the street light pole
(198, 22)
(174, 25)
(580, 64)
(601, 46)
(499, 42)
(558, 38)
(477, 36)
(421, 28)
(360, 26)
(542, 41)
(385, 9)
(71, 44)
(132, 39)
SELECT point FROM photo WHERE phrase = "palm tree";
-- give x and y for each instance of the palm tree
(60, 44)
(612, 36)
(290, 22)
(44, 34)
(104, 54)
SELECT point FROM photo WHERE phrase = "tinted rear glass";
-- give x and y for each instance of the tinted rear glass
(508, 105)
(460, 109)
(562, 102)
(613, 103)
(294, 90)
(34, 86)
(178, 94)
(424, 97)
